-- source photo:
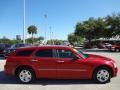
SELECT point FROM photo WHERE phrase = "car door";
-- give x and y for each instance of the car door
(45, 63)
(68, 68)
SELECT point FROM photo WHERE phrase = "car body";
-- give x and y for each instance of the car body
(58, 62)
(3, 47)
(13, 47)
(115, 47)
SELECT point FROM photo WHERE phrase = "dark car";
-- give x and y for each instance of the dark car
(13, 48)
(108, 45)
(3, 47)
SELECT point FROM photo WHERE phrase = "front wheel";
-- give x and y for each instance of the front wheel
(102, 75)
(25, 75)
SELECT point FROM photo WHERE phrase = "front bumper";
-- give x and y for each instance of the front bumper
(115, 72)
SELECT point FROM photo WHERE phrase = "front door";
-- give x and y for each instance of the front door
(67, 68)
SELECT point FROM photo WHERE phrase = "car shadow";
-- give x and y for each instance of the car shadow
(2, 57)
(4, 79)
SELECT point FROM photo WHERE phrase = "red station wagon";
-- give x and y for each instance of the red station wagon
(58, 62)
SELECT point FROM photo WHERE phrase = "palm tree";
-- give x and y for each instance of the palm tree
(32, 29)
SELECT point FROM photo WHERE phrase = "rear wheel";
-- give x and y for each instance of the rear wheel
(25, 75)
(102, 75)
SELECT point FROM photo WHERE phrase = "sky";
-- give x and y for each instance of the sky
(62, 15)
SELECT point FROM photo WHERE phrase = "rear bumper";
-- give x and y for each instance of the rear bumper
(9, 70)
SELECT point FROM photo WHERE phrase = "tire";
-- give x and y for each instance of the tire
(25, 75)
(102, 75)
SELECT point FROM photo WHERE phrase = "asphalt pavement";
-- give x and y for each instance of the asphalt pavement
(10, 83)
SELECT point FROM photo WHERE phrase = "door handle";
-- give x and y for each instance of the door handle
(34, 60)
(60, 61)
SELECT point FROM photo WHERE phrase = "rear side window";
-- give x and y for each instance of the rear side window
(44, 53)
(24, 53)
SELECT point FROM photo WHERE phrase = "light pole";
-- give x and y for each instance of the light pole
(50, 35)
(45, 16)
(52, 38)
(23, 21)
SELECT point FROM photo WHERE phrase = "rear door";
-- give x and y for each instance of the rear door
(45, 63)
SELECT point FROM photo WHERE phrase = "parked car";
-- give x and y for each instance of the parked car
(7, 51)
(2, 48)
(58, 62)
(115, 47)
(108, 45)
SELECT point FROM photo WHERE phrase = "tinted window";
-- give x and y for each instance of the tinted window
(65, 54)
(44, 53)
(2, 45)
(7, 45)
(19, 45)
(24, 53)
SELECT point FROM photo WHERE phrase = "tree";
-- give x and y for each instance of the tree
(113, 25)
(74, 39)
(91, 28)
(36, 40)
(32, 30)
(86, 29)
(55, 42)
(9, 41)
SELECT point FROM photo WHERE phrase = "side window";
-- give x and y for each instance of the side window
(65, 53)
(24, 53)
(44, 53)
(15, 46)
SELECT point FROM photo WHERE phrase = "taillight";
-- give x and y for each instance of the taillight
(113, 47)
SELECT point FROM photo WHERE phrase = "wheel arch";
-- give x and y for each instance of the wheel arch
(24, 66)
(103, 66)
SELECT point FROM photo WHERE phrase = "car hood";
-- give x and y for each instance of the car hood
(98, 57)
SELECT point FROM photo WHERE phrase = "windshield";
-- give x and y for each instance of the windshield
(81, 53)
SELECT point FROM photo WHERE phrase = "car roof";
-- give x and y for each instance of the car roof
(45, 46)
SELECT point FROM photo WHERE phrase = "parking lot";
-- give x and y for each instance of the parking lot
(9, 83)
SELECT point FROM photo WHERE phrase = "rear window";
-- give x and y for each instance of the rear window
(24, 53)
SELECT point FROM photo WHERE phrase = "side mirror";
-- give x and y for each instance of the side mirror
(75, 58)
